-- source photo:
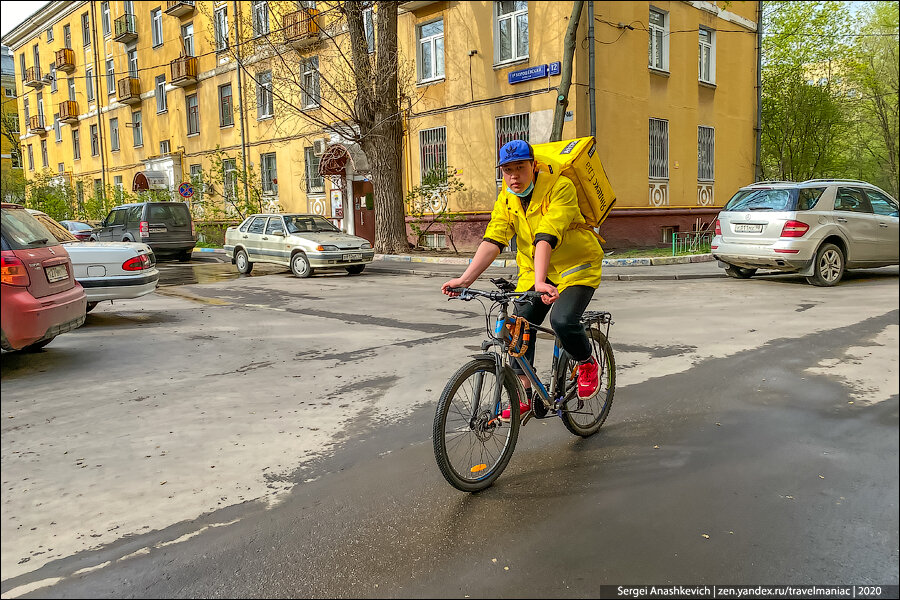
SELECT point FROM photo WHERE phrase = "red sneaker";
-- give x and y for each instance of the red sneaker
(524, 407)
(588, 380)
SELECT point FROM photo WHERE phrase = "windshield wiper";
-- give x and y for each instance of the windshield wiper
(760, 208)
(40, 241)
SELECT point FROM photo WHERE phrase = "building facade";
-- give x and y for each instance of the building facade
(9, 113)
(196, 90)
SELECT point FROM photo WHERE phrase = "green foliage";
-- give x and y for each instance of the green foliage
(222, 190)
(12, 182)
(429, 203)
(51, 194)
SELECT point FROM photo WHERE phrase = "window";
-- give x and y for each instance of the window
(659, 149)
(707, 55)
(156, 26)
(120, 188)
(275, 224)
(260, 17)
(309, 83)
(196, 172)
(27, 110)
(132, 63)
(57, 128)
(110, 76)
(98, 193)
(512, 127)
(187, 34)
(164, 147)
(86, 30)
(13, 122)
(104, 12)
(76, 145)
(510, 31)
(49, 35)
(136, 129)
(15, 157)
(60, 168)
(114, 134)
(314, 181)
(264, 103)
(881, 204)
(433, 151)
(95, 141)
(161, 93)
(52, 72)
(220, 24)
(193, 115)
(852, 200)
(44, 159)
(67, 36)
(706, 151)
(431, 51)
(226, 106)
(658, 49)
(22, 66)
(72, 89)
(369, 28)
(36, 55)
(229, 177)
(89, 82)
(30, 157)
(269, 173)
(257, 226)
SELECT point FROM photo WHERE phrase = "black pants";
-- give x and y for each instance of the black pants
(565, 320)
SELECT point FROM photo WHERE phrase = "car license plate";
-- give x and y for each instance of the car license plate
(748, 228)
(57, 273)
(158, 230)
(354, 256)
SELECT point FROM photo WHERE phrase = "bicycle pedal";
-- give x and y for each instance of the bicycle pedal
(539, 409)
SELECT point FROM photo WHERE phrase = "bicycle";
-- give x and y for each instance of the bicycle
(472, 444)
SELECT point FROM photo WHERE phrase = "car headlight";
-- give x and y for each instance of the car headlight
(327, 248)
(365, 246)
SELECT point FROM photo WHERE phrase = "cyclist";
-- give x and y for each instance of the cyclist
(557, 254)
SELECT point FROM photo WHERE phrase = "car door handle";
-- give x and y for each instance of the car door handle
(245, 237)
(265, 237)
(885, 225)
(841, 220)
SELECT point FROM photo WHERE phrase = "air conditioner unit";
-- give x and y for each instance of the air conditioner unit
(319, 146)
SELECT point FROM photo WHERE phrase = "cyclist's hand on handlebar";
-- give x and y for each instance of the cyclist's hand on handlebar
(449, 287)
(549, 293)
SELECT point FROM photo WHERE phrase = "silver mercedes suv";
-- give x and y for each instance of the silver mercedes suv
(817, 228)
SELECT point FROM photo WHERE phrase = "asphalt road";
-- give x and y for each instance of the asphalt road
(269, 436)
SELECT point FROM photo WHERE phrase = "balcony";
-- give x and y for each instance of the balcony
(184, 71)
(129, 90)
(36, 125)
(33, 77)
(301, 28)
(68, 111)
(179, 9)
(65, 60)
(126, 28)
(412, 6)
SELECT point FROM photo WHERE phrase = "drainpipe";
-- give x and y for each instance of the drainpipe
(759, 27)
(237, 45)
(98, 95)
(591, 93)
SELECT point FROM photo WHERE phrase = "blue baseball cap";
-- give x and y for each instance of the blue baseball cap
(515, 150)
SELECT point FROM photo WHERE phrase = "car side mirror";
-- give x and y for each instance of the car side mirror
(278, 232)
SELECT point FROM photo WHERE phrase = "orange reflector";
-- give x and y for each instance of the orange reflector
(477, 468)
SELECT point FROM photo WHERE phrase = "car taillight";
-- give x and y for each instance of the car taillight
(794, 229)
(718, 228)
(144, 228)
(138, 263)
(13, 270)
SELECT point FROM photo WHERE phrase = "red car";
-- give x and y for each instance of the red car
(39, 297)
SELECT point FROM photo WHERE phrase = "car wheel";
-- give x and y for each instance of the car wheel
(300, 265)
(739, 272)
(185, 256)
(242, 261)
(91, 306)
(356, 269)
(37, 345)
(829, 267)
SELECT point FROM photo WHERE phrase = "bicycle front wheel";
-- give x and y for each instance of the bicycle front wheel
(472, 445)
(584, 416)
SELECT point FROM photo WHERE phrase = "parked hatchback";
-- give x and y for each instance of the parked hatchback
(817, 228)
(81, 231)
(39, 297)
(302, 242)
(166, 227)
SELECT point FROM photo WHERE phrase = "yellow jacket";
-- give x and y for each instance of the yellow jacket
(553, 210)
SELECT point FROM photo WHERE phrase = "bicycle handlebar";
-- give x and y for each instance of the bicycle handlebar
(498, 296)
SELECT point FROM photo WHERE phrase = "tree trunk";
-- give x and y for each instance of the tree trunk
(565, 79)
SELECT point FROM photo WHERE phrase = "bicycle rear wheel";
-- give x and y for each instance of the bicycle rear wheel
(471, 445)
(585, 416)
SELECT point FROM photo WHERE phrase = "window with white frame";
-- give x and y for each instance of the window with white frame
(30, 157)
(315, 183)
(220, 24)
(509, 128)
(226, 106)
(658, 49)
(72, 89)
(187, 35)
(369, 28)
(85, 30)
(45, 160)
(137, 128)
(164, 147)
(269, 173)
(57, 127)
(229, 178)
(706, 153)
(104, 12)
(132, 64)
(156, 26)
(707, 55)
(659, 149)
(114, 134)
(264, 102)
(260, 17)
(95, 141)
(433, 152)
(309, 82)
(27, 110)
(161, 105)
(196, 172)
(50, 35)
(431, 50)
(67, 36)
(76, 145)
(53, 77)
(89, 82)
(510, 31)
(110, 76)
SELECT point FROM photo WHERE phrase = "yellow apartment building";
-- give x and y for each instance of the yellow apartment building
(190, 91)
(9, 152)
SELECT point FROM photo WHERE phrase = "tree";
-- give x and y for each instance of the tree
(430, 202)
(562, 100)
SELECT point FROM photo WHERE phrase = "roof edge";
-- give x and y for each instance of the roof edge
(35, 24)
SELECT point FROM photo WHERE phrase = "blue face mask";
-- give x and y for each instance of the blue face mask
(523, 193)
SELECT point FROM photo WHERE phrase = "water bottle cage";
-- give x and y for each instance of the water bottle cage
(519, 332)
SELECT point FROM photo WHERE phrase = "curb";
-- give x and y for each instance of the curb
(504, 263)
(216, 250)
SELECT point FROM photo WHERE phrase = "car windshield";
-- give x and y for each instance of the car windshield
(59, 232)
(765, 199)
(76, 226)
(308, 224)
(24, 231)
(176, 215)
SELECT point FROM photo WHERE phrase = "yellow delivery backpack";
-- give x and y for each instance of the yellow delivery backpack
(578, 160)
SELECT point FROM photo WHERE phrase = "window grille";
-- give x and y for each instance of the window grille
(269, 173)
(706, 151)
(511, 127)
(659, 149)
(433, 150)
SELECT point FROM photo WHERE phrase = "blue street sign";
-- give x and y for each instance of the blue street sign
(555, 68)
(535, 72)
(186, 190)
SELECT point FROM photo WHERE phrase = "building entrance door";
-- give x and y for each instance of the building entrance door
(364, 209)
